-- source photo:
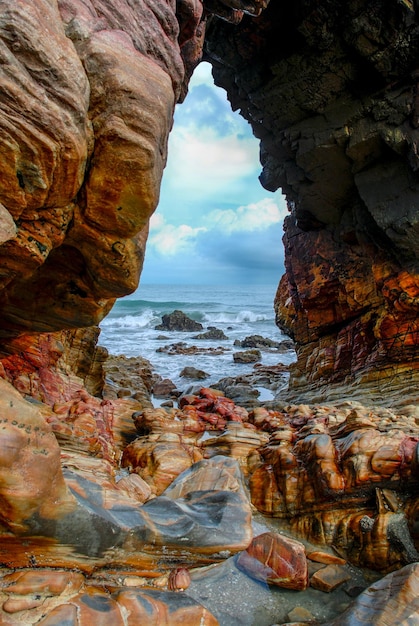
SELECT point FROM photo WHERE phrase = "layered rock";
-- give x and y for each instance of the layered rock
(90, 513)
(331, 91)
(276, 560)
(62, 505)
(88, 93)
(370, 606)
(87, 100)
(62, 597)
(344, 477)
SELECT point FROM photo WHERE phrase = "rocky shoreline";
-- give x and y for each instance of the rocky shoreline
(142, 503)
(117, 512)
(366, 557)
(187, 501)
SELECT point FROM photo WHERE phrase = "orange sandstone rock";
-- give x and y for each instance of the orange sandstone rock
(33, 597)
(277, 560)
(31, 477)
(329, 578)
(325, 557)
(160, 458)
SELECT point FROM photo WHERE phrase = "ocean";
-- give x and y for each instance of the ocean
(240, 311)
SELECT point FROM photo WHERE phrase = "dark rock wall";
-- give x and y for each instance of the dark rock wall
(330, 89)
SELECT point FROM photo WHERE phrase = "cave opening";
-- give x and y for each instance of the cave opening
(214, 223)
(214, 249)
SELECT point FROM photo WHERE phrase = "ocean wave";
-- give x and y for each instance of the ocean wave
(161, 305)
(140, 320)
(237, 317)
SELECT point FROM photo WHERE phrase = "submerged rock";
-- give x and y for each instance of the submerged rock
(248, 356)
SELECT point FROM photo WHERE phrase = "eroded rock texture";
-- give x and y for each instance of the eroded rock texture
(341, 477)
(88, 89)
(331, 91)
(87, 100)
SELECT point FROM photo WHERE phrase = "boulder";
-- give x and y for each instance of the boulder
(212, 334)
(194, 373)
(163, 388)
(257, 341)
(329, 578)
(248, 356)
(179, 321)
(277, 560)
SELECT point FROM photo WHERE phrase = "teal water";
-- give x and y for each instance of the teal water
(239, 311)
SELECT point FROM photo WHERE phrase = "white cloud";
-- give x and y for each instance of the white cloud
(157, 221)
(257, 216)
(215, 223)
(205, 159)
(170, 240)
(202, 76)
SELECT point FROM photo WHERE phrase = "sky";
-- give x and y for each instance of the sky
(215, 224)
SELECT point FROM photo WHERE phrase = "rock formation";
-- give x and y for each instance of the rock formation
(331, 91)
(88, 89)
(178, 321)
(87, 108)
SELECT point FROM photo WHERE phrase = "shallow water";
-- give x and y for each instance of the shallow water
(238, 600)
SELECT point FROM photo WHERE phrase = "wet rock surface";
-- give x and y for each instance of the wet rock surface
(149, 498)
(264, 343)
(248, 356)
(211, 333)
(63, 597)
(194, 373)
(178, 321)
(182, 347)
(276, 560)
(94, 509)
(244, 389)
